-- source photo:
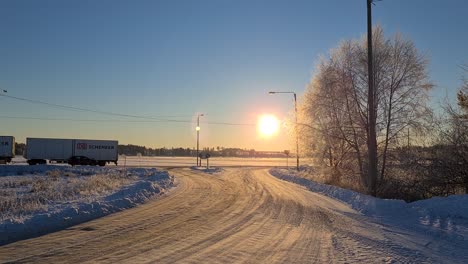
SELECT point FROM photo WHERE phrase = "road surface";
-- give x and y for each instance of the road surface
(237, 216)
(162, 161)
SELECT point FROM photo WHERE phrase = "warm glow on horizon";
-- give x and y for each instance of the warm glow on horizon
(267, 125)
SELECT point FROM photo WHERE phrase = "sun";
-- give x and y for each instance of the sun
(267, 125)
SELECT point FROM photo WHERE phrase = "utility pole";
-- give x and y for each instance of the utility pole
(198, 138)
(297, 133)
(372, 136)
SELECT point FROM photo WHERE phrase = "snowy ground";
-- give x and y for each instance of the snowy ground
(237, 215)
(444, 219)
(35, 200)
(135, 161)
(244, 215)
(210, 170)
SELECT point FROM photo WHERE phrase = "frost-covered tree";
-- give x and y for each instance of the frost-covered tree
(334, 108)
(462, 95)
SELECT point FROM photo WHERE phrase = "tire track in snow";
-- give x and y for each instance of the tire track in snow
(239, 215)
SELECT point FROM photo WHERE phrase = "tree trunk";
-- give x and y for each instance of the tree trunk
(387, 138)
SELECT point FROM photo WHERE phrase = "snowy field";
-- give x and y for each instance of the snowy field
(39, 199)
(444, 219)
(134, 161)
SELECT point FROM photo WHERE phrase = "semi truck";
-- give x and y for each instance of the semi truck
(71, 151)
(7, 149)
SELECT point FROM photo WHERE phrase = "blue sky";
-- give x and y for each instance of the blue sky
(181, 57)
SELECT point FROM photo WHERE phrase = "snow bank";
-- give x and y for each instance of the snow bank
(447, 214)
(455, 206)
(148, 183)
(211, 170)
(362, 203)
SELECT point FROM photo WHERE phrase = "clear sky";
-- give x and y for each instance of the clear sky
(183, 57)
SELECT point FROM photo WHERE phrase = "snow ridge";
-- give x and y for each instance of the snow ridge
(148, 184)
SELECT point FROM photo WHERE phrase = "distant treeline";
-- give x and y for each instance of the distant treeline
(134, 150)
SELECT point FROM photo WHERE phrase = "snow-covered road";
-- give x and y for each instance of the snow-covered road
(236, 215)
(158, 161)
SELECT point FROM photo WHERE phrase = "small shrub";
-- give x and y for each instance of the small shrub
(54, 174)
(40, 185)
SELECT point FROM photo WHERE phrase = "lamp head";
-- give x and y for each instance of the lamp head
(197, 128)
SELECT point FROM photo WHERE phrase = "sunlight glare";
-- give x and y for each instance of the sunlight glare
(268, 125)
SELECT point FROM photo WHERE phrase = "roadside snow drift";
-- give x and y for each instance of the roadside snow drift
(441, 216)
(36, 200)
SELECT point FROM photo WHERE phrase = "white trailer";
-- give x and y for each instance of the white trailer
(39, 150)
(99, 150)
(7, 149)
(72, 151)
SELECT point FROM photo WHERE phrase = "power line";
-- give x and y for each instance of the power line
(84, 120)
(228, 124)
(73, 108)
(123, 121)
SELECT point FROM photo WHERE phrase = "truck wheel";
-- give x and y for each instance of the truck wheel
(102, 163)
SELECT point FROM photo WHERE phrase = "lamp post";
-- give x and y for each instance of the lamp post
(297, 133)
(198, 136)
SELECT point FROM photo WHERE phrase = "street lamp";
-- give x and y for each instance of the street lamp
(198, 136)
(297, 133)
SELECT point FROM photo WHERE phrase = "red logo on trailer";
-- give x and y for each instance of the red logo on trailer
(81, 146)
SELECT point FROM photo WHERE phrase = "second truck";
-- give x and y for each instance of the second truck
(71, 151)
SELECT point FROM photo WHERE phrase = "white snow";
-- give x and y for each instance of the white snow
(137, 186)
(210, 170)
(162, 161)
(439, 217)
